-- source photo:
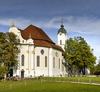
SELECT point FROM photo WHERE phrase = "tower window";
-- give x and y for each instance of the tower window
(22, 60)
(60, 42)
(38, 61)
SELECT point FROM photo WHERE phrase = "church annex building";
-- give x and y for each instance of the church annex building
(39, 55)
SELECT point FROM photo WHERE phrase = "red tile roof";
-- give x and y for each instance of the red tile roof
(39, 36)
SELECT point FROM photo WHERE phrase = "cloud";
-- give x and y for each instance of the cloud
(95, 44)
(96, 51)
(81, 25)
(19, 22)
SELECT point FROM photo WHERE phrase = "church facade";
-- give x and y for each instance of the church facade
(39, 55)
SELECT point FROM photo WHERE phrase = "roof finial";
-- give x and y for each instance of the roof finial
(12, 24)
(62, 22)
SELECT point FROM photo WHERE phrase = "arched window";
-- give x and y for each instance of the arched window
(59, 63)
(45, 61)
(22, 60)
(38, 61)
(60, 42)
(62, 66)
(53, 62)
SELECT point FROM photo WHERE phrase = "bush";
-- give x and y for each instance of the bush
(2, 72)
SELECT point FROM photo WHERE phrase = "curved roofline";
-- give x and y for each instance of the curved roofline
(41, 39)
(62, 29)
(32, 27)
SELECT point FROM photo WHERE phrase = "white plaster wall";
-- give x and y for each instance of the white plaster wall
(28, 52)
(30, 65)
(17, 33)
(14, 30)
(57, 71)
(31, 52)
(42, 70)
(50, 63)
(63, 38)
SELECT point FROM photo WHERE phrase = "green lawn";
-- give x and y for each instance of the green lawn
(45, 86)
(75, 79)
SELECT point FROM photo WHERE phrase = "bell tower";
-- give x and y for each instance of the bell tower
(61, 36)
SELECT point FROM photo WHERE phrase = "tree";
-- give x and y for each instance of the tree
(70, 54)
(2, 47)
(9, 51)
(79, 55)
(97, 68)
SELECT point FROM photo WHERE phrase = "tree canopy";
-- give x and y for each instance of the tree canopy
(8, 52)
(78, 55)
(97, 68)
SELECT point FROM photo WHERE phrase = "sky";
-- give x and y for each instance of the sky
(80, 17)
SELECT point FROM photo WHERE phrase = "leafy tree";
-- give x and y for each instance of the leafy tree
(2, 47)
(70, 54)
(78, 55)
(8, 51)
(3, 71)
(97, 68)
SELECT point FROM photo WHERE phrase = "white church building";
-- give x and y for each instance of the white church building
(39, 55)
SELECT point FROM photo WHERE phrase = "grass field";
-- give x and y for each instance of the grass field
(50, 85)
(75, 79)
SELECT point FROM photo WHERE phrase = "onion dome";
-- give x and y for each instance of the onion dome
(62, 29)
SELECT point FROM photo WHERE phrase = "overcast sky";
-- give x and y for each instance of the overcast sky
(80, 17)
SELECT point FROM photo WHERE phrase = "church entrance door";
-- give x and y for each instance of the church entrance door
(22, 73)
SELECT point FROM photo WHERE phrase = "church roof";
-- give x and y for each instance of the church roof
(39, 36)
(36, 33)
(62, 29)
